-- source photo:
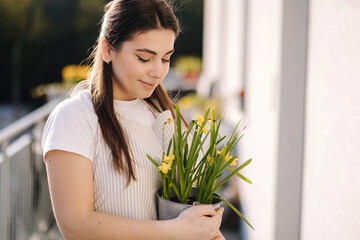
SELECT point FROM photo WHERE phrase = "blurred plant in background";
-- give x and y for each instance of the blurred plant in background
(20, 23)
(39, 37)
(71, 75)
(188, 67)
(194, 102)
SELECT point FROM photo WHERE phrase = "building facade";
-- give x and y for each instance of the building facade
(297, 65)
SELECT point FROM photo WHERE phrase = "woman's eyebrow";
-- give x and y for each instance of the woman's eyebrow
(152, 52)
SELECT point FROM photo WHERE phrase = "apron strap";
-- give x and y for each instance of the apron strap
(155, 113)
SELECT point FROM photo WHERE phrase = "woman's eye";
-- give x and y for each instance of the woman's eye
(166, 60)
(142, 59)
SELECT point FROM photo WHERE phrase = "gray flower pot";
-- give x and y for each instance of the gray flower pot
(169, 210)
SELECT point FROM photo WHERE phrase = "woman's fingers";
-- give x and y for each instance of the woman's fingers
(205, 210)
(219, 214)
(201, 222)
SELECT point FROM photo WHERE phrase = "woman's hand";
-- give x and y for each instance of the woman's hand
(199, 222)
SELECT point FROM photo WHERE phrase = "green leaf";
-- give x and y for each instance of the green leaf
(235, 129)
(245, 164)
(236, 211)
(240, 175)
(239, 168)
(230, 175)
(152, 160)
(174, 185)
(169, 147)
(217, 143)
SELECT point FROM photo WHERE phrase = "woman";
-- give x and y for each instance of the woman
(95, 143)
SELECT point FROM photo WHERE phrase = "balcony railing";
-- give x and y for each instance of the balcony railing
(25, 208)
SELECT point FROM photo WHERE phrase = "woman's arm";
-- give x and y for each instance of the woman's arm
(70, 179)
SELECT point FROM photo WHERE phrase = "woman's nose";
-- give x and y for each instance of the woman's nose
(156, 70)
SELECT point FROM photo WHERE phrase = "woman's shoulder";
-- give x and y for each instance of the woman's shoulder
(78, 108)
(72, 127)
(78, 104)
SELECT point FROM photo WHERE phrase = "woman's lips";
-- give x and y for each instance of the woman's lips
(148, 85)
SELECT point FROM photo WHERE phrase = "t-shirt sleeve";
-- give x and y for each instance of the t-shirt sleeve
(70, 127)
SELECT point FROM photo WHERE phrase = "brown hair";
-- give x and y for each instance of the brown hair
(123, 19)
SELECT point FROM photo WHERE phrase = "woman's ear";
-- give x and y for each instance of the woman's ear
(106, 51)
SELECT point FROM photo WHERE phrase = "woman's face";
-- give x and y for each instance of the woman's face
(141, 63)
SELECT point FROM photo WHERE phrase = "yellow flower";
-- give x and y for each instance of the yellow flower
(169, 159)
(169, 120)
(199, 119)
(219, 152)
(204, 129)
(227, 157)
(210, 160)
(164, 168)
(233, 163)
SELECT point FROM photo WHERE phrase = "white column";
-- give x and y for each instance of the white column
(262, 110)
(232, 54)
(211, 46)
(223, 52)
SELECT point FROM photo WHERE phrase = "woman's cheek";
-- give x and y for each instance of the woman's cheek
(136, 70)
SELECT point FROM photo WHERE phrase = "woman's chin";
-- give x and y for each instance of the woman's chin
(146, 94)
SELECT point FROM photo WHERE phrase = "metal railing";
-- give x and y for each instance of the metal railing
(25, 208)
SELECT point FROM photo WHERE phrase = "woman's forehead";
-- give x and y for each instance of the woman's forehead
(160, 41)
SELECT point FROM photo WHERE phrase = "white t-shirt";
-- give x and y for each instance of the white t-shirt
(73, 127)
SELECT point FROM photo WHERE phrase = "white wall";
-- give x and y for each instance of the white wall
(223, 57)
(212, 45)
(331, 191)
(327, 145)
(223, 60)
(261, 110)
(223, 53)
(231, 58)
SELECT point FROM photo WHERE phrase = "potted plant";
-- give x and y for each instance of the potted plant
(193, 167)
